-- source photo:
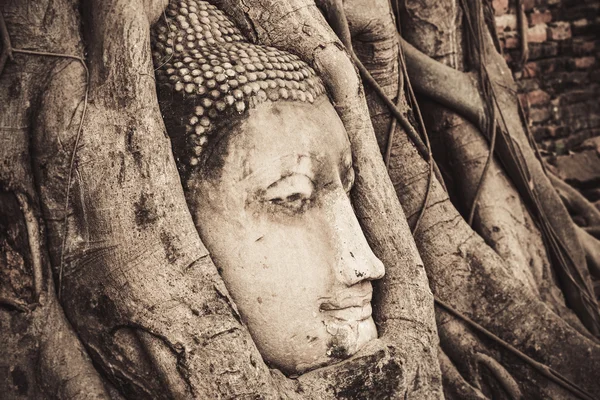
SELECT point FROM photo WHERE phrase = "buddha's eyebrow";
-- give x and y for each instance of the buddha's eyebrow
(287, 165)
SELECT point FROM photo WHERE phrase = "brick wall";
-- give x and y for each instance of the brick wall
(559, 83)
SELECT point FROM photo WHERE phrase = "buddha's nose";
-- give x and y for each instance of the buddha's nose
(357, 261)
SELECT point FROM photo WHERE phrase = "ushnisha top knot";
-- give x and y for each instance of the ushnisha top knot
(207, 72)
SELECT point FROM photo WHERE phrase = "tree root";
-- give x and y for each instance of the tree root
(575, 201)
(14, 304)
(579, 205)
(450, 87)
(503, 377)
(455, 386)
(591, 246)
(35, 243)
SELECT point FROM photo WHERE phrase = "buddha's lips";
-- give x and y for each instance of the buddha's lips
(351, 308)
(351, 314)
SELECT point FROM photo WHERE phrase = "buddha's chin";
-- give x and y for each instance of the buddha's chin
(344, 339)
(348, 338)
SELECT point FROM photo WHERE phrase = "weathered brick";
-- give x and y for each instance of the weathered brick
(530, 70)
(537, 115)
(536, 18)
(577, 11)
(580, 23)
(541, 132)
(582, 139)
(578, 115)
(577, 96)
(559, 30)
(538, 98)
(557, 131)
(560, 83)
(537, 33)
(583, 46)
(565, 81)
(549, 65)
(543, 50)
(587, 26)
(583, 62)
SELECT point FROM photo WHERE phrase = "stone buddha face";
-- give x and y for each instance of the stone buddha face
(280, 227)
(267, 167)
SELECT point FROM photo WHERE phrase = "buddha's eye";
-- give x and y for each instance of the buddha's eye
(295, 201)
(293, 192)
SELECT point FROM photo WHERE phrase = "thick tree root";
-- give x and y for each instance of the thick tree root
(507, 382)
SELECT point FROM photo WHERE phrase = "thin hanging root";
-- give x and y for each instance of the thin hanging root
(410, 130)
(544, 370)
(501, 374)
(523, 27)
(336, 16)
(7, 52)
(338, 21)
(35, 243)
(14, 304)
(488, 163)
(478, 51)
(431, 162)
(530, 138)
(390, 137)
(394, 123)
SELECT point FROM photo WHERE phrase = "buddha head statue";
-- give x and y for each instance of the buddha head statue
(267, 169)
